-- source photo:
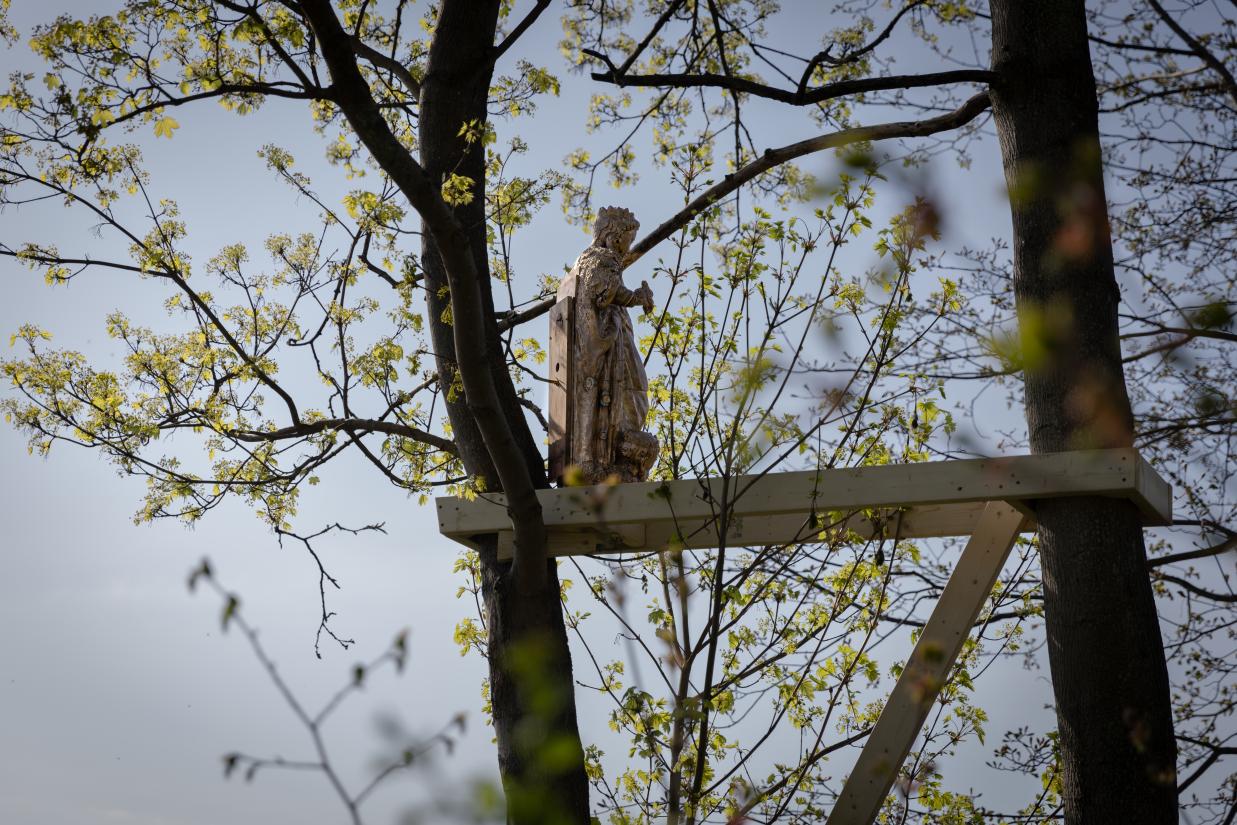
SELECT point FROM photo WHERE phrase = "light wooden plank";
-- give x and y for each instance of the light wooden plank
(929, 666)
(688, 506)
(753, 531)
(576, 541)
(562, 388)
(1154, 494)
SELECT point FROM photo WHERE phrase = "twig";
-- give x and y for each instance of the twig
(324, 577)
(397, 656)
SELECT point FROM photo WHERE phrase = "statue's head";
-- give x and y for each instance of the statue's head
(615, 228)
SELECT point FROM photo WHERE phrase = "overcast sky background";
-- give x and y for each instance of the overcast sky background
(119, 693)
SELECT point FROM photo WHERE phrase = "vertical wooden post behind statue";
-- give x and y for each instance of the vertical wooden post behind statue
(562, 387)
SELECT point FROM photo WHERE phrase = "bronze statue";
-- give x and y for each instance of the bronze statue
(609, 398)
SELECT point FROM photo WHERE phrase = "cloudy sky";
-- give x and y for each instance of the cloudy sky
(118, 692)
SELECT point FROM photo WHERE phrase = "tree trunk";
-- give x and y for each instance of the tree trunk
(1114, 713)
(531, 687)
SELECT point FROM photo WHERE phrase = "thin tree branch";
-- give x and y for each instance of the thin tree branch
(349, 425)
(773, 157)
(387, 62)
(1200, 553)
(1138, 47)
(671, 8)
(277, 89)
(519, 30)
(1196, 590)
(794, 97)
(1201, 51)
(1188, 332)
(770, 159)
(1212, 758)
(513, 319)
(850, 57)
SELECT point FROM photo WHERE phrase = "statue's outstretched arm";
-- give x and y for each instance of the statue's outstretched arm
(642, 297)
(624, 297)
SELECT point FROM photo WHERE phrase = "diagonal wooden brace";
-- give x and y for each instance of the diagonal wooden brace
(929, 665)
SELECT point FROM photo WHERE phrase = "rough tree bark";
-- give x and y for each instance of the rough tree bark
(1118, 751)
(531, 687)
(539, 753)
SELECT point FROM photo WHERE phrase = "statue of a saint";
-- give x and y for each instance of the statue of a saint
(611, 397)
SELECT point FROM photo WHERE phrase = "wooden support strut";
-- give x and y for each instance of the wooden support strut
(929, 665)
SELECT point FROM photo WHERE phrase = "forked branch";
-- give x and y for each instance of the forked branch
(964, 114)
(794, 97)
(773, 157)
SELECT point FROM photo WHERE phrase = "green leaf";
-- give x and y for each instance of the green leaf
(229, 610)
(201, 571)
(165, 126)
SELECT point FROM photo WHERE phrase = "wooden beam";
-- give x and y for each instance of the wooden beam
(562, 388)
(929, 666)
(756, 531)
(940, 498)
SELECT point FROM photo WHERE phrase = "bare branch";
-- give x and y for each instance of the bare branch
(671, 8)
(519, 30)
(793, 97)
(349, 425)
(772, 157)
(1201, 51)
(324, 577)
(850, 57)
(1217, 751)
(1188, 332)
(512, 319)
(1200, 553)
(377, 58)
(1196, 590)
(1138, 47)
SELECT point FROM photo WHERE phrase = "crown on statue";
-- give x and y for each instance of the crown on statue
(613, 219)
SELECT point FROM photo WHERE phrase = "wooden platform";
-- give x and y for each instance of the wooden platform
(942, 498)
(990, 500)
